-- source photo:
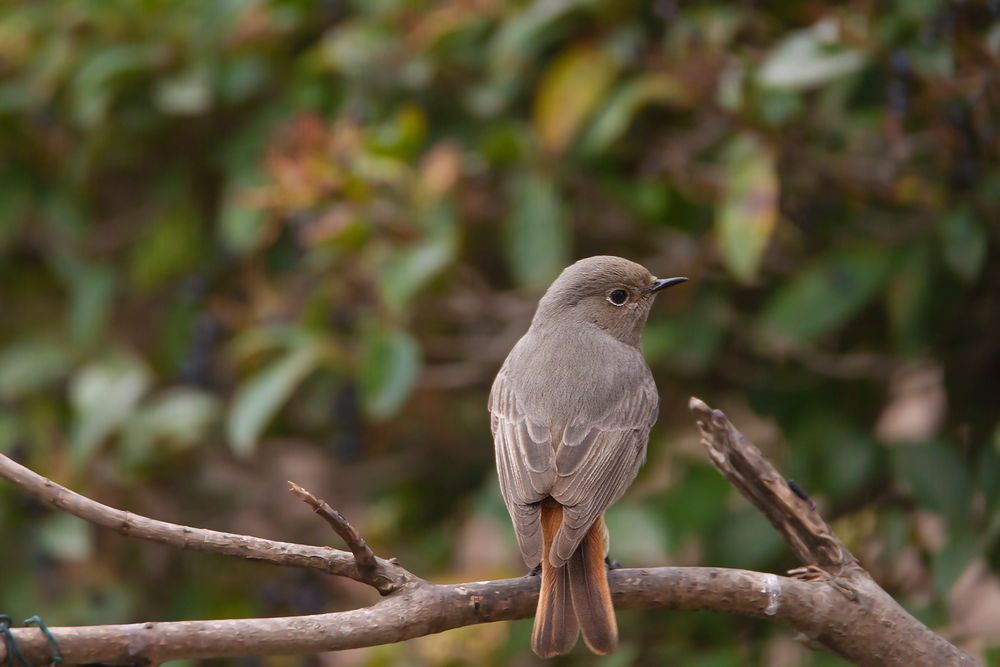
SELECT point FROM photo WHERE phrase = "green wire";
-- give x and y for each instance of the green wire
(13, 652)
(53, 646)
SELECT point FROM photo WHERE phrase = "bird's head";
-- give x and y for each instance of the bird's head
(612, 293)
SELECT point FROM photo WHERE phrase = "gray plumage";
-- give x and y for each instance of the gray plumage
(573, 404)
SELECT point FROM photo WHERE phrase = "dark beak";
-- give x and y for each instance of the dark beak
(664, 283)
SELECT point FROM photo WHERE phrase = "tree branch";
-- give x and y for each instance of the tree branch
(367, 563)
(835, 603)
(324, 559)
(883, 633)
(424, 608)
(795, 517)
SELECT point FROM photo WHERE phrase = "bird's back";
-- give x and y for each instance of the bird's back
(571, 376)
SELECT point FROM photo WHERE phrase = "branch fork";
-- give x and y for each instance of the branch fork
(385, 579)
(831, 601)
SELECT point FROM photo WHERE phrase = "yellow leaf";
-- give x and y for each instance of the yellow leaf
(568, 94)
(749, 209)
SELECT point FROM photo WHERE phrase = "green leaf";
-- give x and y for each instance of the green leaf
(536, 234)
(690, 339)
(92, 290)
(178, 418)
(908, 296)
(186, 94)
(10, 432)
(989, 474)
(809, 58)
(404, 273)
(30, 365)
(963, 243)
(936, 477)
(696, 502)
(358, 48)
(242, 222)
(847, 457)
(745, 539)
(15, 204)
(402, 135)
(170, 246)
(94, 84)
(824, 296)
(66, 537)
(104, 394)
(391, 360)
(517, 43)
(777, 106)
(749, 210)
(260, 397)
(521, 35)
(614, 118)
(639, 540)
(954, 557)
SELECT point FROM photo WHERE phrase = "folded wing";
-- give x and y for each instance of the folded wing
(525, 463)
(597, 461)
(589, 465)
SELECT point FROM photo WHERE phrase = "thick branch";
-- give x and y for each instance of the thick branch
(423, 608)
(881, 632)
(864, 625)
(796, 518)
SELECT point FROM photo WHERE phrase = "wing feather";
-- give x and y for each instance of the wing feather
(595, 469)
(525, 464)
(585, 465)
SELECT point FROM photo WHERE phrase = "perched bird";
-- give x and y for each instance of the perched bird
(570, 411)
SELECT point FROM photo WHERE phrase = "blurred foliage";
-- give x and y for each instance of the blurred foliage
(246, 241)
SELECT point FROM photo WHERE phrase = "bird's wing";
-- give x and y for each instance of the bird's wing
(597, 460)
(525, 463)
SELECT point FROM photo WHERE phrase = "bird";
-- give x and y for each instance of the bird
(570, 411)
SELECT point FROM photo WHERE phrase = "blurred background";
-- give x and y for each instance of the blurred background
(247, 241)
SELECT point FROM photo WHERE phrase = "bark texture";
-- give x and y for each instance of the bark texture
(832, 601)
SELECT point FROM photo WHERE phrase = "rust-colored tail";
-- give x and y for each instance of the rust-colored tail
(556, 628)
(576, 596)
(589, 590)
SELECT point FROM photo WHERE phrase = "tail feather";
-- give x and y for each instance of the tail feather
(589, 590)
(556, 628)
(576, 597)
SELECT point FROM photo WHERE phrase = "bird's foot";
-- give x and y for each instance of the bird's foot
(535, 571)
(612, 564)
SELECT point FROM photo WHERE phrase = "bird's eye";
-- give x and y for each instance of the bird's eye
(618, 297)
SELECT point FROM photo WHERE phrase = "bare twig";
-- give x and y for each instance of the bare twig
(868, 627)
(324, 559)
(883, 633)
(365, 559)
(745, 467)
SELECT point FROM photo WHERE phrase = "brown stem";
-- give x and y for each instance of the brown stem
(745, 467)
(880, 631)
(324, 559)
(423, 608)
(835, 603)
(365, 559)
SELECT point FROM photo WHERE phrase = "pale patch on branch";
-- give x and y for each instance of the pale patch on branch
(832, 602)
